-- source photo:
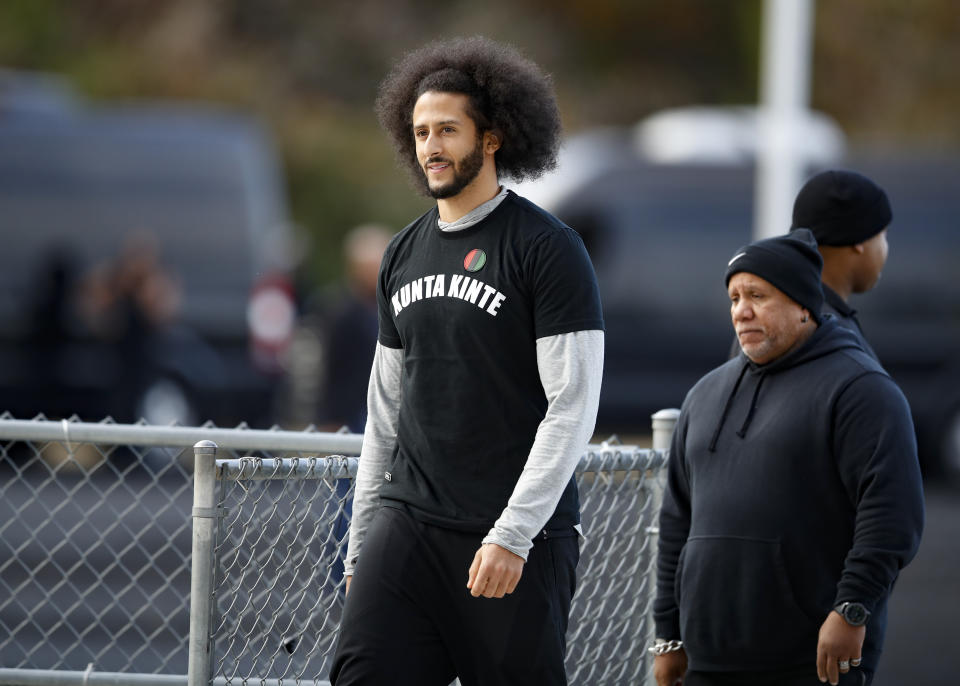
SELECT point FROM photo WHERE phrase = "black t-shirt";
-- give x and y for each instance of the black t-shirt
(467, 308)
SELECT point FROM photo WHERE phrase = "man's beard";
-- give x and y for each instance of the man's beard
(464, 172)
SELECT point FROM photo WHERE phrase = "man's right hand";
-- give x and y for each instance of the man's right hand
(669, 668)
(346, 589)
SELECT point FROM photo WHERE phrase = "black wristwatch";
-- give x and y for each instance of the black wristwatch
(855, 613)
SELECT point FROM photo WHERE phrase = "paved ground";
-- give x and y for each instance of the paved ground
(923, 638)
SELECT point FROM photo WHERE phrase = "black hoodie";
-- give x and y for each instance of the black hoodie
(792, 486)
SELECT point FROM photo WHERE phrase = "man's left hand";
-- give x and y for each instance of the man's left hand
(839, 642)
(495, 572)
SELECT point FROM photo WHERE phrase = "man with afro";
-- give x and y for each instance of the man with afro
(483, 393)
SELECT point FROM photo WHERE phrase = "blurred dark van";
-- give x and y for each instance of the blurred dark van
(660, 235)
(144, 260)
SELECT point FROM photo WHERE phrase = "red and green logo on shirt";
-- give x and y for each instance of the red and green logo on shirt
(475, 260)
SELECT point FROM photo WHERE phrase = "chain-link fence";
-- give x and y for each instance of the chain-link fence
(277, 567)
(96, 555)
(274, 537)
(95, 542)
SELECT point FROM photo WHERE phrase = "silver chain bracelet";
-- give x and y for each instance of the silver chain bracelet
(661, 647)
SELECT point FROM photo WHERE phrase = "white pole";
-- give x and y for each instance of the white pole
(784, 99)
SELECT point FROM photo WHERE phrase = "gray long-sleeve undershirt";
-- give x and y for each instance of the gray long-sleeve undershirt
(570, 367)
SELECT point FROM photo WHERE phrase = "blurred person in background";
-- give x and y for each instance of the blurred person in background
(350, 332)
(131, 301)
(793, 495)
(131, 294)
(99, 334)
(482, 396)
(328, 365)
(848, 215)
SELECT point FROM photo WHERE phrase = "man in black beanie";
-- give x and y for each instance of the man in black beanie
(848, 215)
(793, 494)
(791, 264)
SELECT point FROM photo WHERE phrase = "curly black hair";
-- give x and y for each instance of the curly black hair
(507, 93)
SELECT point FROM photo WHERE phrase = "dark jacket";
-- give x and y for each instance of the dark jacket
(846, 316)
(792, 486)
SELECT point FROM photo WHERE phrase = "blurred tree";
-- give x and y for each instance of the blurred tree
(32, 32)
(890, 71)
(887, 70)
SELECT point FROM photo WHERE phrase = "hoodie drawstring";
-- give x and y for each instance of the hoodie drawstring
(726, 409)
(753, 406)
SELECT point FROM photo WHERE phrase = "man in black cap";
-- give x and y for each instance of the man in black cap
(848, 215)
(793, 494)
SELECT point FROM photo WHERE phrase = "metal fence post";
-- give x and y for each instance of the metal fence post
(663, 423)
(199, 659)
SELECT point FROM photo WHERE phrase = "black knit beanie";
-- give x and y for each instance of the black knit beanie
(792, 263)
(841, 208)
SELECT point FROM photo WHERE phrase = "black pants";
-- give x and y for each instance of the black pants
(410, 619)
(806, 676)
